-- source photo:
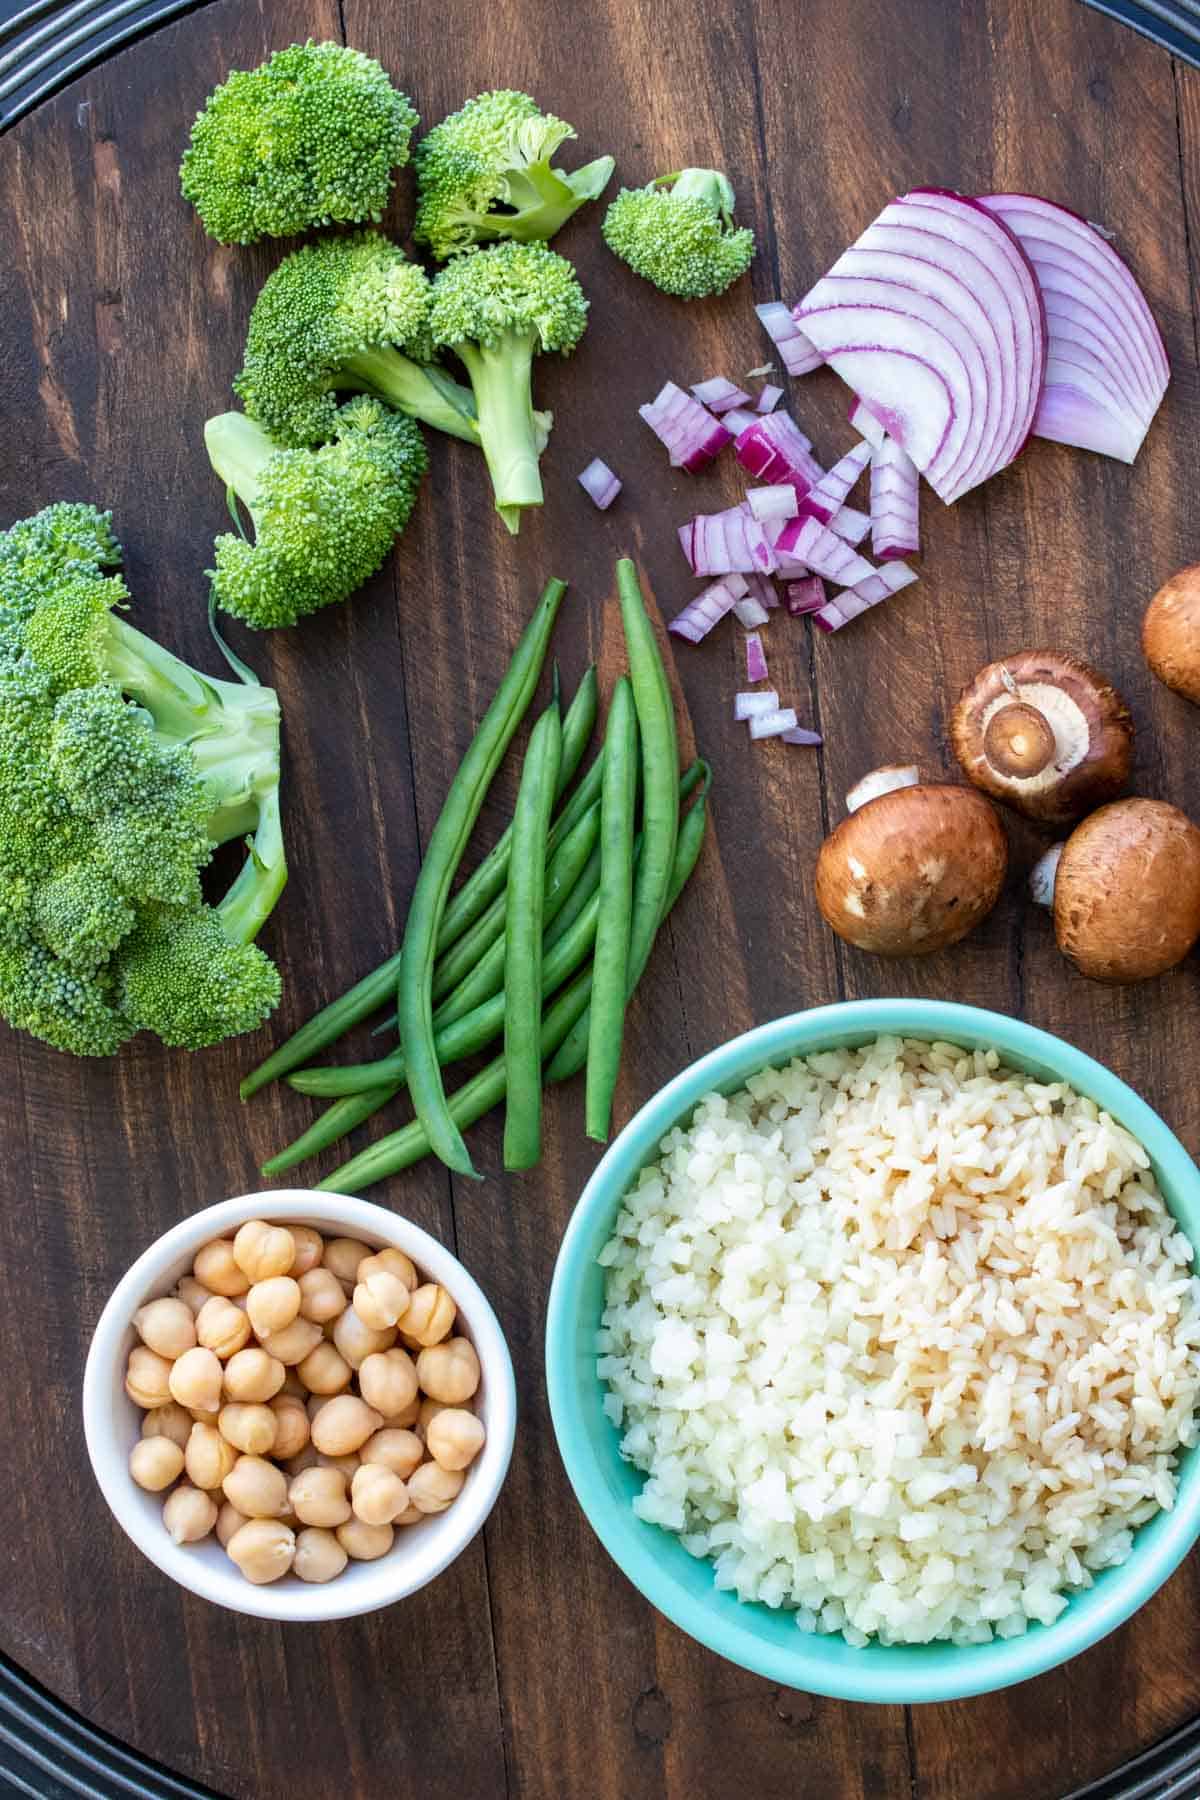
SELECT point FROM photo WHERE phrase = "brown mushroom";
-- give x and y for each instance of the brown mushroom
(1045, 733)
(1171, 633)
(911, 870)
(1125, 888)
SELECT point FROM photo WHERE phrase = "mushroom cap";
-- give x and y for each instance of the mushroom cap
(1127, 892)
(1171, 633)
(1091, 726)
(912, 871)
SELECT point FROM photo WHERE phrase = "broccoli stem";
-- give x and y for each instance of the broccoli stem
(543, 199)
(708, 185)
(502, 381)
(248, 904)
(421, 390)
(238, 449)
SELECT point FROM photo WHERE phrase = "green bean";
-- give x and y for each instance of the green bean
(475, 895)
(618, 802)
(523, 926)
(577, 899)
(334, 1123)
(447, 842)
(660, 770)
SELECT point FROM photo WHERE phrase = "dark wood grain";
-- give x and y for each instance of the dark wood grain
(531, 1668)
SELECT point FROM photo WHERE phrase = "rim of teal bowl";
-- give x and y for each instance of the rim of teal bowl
(892, 1674)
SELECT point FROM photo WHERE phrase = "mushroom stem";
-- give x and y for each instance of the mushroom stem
(1043, 875)
(1019, 741)
(882, 781)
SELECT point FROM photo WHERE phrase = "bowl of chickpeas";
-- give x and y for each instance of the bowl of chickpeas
(299, 1406)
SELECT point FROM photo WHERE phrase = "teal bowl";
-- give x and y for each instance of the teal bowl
(680, 1586)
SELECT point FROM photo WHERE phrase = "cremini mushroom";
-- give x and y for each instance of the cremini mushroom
(1125, 890)
(912, 869)
(1044, 733)
(1171, 633)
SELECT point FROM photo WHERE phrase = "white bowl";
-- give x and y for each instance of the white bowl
(112, 1423)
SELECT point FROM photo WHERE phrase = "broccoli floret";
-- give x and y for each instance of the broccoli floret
(348, 313)
(121, 769)
(678, 233)
(311, 137)
(485, 173)
(323, 519)
(495, 308)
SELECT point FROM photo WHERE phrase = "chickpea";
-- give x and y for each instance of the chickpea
(428, 1413)
(449, 1372)
(314, 1403)
(270, 1305)
(347, 1466)
(216, 1268)
(430, 1316)
(395, 1262)
(412, 1515)
(322, 1296)
(406, 1418)
(364, 1543)
(256, 1487)
(253, 1375)
(222, 1327)
(293, 1388)
(251, 1429)
(170, 1421)
(204, 1415)
(319, 1556)
(208, 1458)
(155, 1462)
(356, 1340)
(380, 1300)
(189, 1515)
(318, 1497)
(342, 1257)
(303, 1459)
(377, 1494)
(229, 1520)
(195, 1379)
(432, 1488)
(263, 1250)
(399, 1451)
(455, 1438)
(264, 1549)
(291, 1345)
(310, 1248)
(325, 1370)
(147, 1377)
(166, 1326)
(193, 1295)
(343, 1424)
(387, 1381)
(291, 1427)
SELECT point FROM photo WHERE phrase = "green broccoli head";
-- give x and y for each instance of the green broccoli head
(179, 976)
(324, 519)
(349, 313)
(495, 309)
(678, 233)
(311, 137)
(81, 916)
(485, 173)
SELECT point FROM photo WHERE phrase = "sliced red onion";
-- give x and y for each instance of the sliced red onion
(707, 609)
(850, 525)
(747, 706)
(806, 595)
(935, 320)
(777, 502)
(895, 487)
(828, 495)
(769, 398)
(763, 589)
(773, 448)
(756, 658)
(719, 394)
(798, 735)
(690, 432)
(860, 598)
(727, 542)
(738, 420)
(599, 482)
(809, 542)
(882, 781)
(750, 613)
(773, 724)
(866, 424)
(797, 352)
(1106, 366)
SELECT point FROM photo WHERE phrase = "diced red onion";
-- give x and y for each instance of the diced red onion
(798, 735)
(895, 488)
(1106, 367)
(746, 706)
(727, 542)
(813, 544)
(866, 424)
(773, 724)
(599, 483)
(719, 394)
(806, 595)
(881, 585)
(773, 448)
(935, 320)
(828, 496)
(737, 420)
(756, 658)
(763, 589)
(750, 612)
(797, 352)
(850, 525)
(769, 398)
(690, 432)
(779, 501)
(707, 609)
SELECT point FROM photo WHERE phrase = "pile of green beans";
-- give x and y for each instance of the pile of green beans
(542, 946)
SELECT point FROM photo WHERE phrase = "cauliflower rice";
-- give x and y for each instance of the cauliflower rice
(902, 1340)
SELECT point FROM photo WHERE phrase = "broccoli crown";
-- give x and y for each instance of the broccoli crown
(510, 291)
(311, 137)
(121, 768)
(678, 233)
(485, 173)
(323, 519)
(179, 975)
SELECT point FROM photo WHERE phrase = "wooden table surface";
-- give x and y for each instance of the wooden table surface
(531, 1667)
